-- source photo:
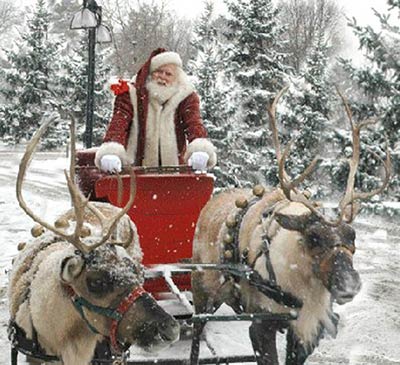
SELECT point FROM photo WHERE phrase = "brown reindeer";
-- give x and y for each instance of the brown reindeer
(81, 280)
(283, 237)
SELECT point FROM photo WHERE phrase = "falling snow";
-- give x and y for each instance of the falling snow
(369, 326)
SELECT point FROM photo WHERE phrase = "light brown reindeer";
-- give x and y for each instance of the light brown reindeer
(285, 238)
(81, 281)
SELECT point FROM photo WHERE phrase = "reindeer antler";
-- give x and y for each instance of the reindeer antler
(350, 196)
(79, 202)
(286, 184)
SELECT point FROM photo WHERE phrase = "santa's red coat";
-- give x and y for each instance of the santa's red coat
(187, 119)
(188, 124)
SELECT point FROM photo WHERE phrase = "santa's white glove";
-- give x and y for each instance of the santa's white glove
(110, 163)
(198, 161)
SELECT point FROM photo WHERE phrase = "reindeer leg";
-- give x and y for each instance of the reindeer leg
(203, 303)
(296, 353)
(263, 339)
(195, 350)
(14, 356)
(200, 298)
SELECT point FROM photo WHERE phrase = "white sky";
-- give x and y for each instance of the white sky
(361, 9)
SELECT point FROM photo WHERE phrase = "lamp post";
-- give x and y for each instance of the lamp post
(89, 17)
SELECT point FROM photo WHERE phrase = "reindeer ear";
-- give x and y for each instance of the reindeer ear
(293, 222)
(71, 267)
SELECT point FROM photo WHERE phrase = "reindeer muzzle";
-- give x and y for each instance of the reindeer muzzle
(159, 330)
(338, 275)
(122, 308)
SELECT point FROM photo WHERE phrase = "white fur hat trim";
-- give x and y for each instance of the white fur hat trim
(165, 58)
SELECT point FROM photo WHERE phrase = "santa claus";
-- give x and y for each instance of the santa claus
(156, 120)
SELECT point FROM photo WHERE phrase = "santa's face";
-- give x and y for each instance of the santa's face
(165, 75)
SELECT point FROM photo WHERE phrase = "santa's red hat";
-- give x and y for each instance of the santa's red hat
(165, 58)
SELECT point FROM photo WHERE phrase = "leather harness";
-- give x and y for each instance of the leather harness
(268, 287)
(116, 314)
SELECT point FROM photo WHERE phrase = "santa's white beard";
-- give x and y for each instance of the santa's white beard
(161, 93)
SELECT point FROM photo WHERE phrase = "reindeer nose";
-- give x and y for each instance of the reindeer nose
(169, 330)
(346, 290)
(158, 334)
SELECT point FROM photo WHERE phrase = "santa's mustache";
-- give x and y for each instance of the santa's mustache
(161, 82)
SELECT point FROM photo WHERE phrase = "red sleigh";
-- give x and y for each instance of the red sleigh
(167, 205)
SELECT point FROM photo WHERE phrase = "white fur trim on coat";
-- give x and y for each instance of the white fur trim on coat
(111, 148)
(202, 145)
(164, 59)
(168, 144)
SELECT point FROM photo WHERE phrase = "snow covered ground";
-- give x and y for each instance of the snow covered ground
(369, 330)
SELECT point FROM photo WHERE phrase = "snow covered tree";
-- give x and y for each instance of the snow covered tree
(47, 74)
(255, 63)
(207, 66)
(255, 60)
(305, 118)
(72, 89)
(379, 81)
(211, 85)
(142, 26)
(9, 17)
(29, 79)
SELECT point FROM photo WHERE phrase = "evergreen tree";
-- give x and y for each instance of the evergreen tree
(207, 67)
(255, 60)
(29, 79)
(379, 80)
(72, 89)
(208, 71)
(255, 64)
(306, 115)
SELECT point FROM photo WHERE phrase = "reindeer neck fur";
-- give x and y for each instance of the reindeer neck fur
(34, 267)
(69, 324)
(291, 263)
(25, 267)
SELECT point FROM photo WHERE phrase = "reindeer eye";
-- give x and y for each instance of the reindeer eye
(349, 234)
(313, 240)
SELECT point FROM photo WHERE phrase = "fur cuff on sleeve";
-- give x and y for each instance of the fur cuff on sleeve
(202, 145)
(111, 148)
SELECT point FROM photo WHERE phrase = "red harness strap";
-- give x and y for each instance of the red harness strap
(122, 309)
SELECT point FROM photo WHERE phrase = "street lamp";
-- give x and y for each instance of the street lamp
(89, 17)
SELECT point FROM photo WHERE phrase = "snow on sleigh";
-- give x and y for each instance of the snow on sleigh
(167, 204)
